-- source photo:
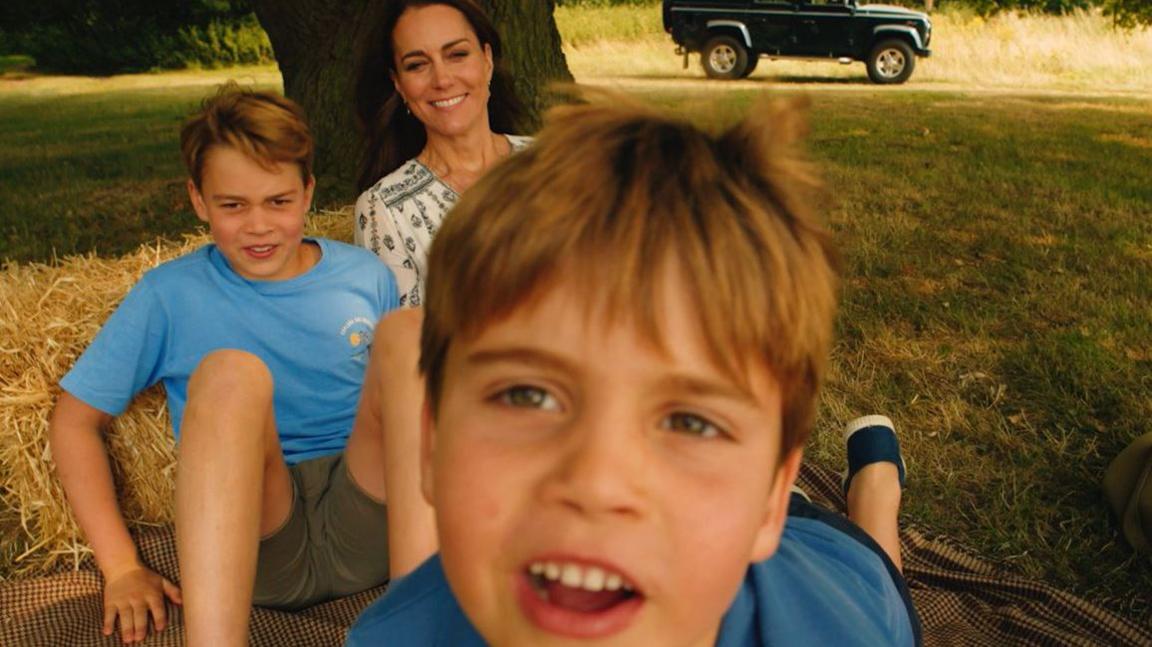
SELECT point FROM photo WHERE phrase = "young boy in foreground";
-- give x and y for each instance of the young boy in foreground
(262, 342)
(626, 327)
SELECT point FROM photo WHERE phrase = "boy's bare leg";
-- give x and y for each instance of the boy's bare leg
(383, 453)
(874, 505)
(232, 487)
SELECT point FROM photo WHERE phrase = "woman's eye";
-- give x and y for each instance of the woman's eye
(460, 53)
(693, 425)
(528, 397)
(281, 202)
(412, 67)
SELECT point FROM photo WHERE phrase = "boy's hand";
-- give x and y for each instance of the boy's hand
(131, 596)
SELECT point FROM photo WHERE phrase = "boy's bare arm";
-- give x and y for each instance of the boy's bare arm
(132, 591)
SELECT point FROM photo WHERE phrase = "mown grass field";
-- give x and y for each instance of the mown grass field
(94, 164)
(998, 261)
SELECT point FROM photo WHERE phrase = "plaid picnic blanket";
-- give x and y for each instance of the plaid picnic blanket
(962, 600)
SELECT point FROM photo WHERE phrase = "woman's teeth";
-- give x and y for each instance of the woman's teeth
(448, 103)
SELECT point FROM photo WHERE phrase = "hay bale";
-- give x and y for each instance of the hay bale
(49, 313)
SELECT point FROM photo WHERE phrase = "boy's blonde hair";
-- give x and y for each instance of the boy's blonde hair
(266, 127)
(608, 195)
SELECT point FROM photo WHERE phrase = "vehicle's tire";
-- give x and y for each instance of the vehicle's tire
(753, 60)
(724, 57)
(891, 61)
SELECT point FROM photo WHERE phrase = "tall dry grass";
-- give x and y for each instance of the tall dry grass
(1074, 51)
(1081, 51)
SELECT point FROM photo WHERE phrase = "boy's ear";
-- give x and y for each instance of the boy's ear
(776, 510)
(309, 192)
(197, 201)
(427, 450)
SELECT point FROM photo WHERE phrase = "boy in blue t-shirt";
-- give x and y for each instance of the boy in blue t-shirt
(625, 330)
(261, 340)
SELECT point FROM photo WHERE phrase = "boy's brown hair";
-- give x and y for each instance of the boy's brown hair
(611, 192)
(266, 127)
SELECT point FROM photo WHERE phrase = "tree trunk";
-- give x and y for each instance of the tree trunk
(316, 41)
(531, 49)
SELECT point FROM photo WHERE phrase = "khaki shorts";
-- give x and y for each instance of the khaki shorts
(334, 543)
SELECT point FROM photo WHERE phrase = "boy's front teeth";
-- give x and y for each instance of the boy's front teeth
(589, 578)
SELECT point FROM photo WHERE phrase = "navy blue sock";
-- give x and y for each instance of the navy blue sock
(872, 445)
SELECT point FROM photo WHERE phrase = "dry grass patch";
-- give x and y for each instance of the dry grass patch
(1009, 51)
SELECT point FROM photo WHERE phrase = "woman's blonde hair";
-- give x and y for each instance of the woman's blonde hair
(610, 192)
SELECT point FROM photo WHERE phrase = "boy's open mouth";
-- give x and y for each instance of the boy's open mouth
(584, 589)
(579, 600)
(260, 251)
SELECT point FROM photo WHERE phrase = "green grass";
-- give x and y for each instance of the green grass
(91, 170)
(999, 267)
(998, 263)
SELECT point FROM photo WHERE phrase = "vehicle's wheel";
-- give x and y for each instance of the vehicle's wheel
(724, 57)
(891, 61)
(753, 59)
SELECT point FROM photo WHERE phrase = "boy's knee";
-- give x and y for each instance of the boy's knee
(397, 336)
(404, 322)
(230, 371)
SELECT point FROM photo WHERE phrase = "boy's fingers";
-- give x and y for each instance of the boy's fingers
(140, 617)
(127, 626)
(159, 612)
(172, 591)
(109, 619)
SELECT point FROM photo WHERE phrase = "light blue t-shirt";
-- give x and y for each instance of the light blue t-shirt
(313, 331)
(822, 587)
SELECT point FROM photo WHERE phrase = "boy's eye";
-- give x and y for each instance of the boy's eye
(528, 397)
(692, 425)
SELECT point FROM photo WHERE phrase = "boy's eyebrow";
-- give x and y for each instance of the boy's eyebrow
(519, 355)
(708, 388)
(420, 52)
(676, 383)
(240, 198)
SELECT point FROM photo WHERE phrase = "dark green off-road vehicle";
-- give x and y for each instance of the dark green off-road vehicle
(732, 35)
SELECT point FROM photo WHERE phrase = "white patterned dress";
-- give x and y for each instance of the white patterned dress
(397, 217)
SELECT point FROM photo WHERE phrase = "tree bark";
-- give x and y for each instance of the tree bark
(531, 49)
(316, 41)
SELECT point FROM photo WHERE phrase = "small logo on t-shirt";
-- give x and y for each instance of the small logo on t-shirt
(358, 333)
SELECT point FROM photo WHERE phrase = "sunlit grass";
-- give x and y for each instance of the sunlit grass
(994, 215)
(1009, 51)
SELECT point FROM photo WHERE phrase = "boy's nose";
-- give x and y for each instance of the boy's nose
(603, 468)
(258, 222)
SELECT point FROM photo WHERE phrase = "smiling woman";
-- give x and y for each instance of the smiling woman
(436, 108)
